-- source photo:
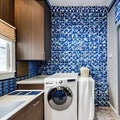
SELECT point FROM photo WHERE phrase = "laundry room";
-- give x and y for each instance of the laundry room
(59, 60)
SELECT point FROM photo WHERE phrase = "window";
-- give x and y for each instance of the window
(7, 50)
(7, 58)
(4, 55)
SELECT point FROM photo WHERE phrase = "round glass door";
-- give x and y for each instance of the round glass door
(60, 97)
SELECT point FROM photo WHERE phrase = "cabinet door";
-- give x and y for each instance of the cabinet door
(23, 23)
(35, 109)
(7, 11)
(18, 116)
(38, 30)
(38, 109)
(32, 43)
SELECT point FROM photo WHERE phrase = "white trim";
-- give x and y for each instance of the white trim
(6, 75)
(113, 109)
(12, 56)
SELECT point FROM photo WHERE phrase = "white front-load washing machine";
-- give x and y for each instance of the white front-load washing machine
(61, 96)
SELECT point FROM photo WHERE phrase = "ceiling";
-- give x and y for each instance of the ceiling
(80, 2)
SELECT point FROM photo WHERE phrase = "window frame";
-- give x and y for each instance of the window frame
(6, 45)
(10, 73)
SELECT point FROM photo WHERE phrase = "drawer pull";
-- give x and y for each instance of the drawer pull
(35, 104)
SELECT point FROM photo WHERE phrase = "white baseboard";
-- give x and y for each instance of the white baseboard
(113, 109)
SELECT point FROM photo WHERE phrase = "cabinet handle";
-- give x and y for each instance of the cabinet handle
(35, 104)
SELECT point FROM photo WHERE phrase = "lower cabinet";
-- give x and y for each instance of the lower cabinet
(30, 86)
(33, 111)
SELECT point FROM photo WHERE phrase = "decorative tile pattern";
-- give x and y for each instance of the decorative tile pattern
(117, 11)
(32, 69)
(7, 86)
(79, 38)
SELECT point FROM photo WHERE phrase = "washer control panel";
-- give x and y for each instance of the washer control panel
(66, 82)
(60, 81)
(71, 80)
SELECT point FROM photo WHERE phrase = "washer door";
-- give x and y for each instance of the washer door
(60, 97)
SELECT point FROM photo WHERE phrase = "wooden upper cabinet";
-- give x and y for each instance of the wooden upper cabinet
(37, 30)
(7, 11)
(30, 21)
(23, 23)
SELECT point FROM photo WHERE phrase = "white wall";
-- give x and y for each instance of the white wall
(112, 60)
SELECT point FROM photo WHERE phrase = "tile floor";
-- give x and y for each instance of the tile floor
(105, 113)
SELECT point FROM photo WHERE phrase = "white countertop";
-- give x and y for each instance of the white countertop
(9, 98)
(34, 80)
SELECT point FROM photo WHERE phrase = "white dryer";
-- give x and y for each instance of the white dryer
(61, 96)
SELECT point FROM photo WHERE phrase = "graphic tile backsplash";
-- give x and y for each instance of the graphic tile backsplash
(79, 38)
(7, 86)
(117, 11)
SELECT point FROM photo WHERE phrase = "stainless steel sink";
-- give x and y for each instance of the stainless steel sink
(9, 106)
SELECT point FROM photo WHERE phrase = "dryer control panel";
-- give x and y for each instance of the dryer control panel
(62, 79)
(69, 82)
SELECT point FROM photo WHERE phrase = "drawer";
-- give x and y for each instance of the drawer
(30, 86)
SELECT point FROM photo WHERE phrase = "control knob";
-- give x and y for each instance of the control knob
(60, 81)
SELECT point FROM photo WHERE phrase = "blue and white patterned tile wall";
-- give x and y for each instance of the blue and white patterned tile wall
(117, 11)
(7, 86)
(79, 38)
